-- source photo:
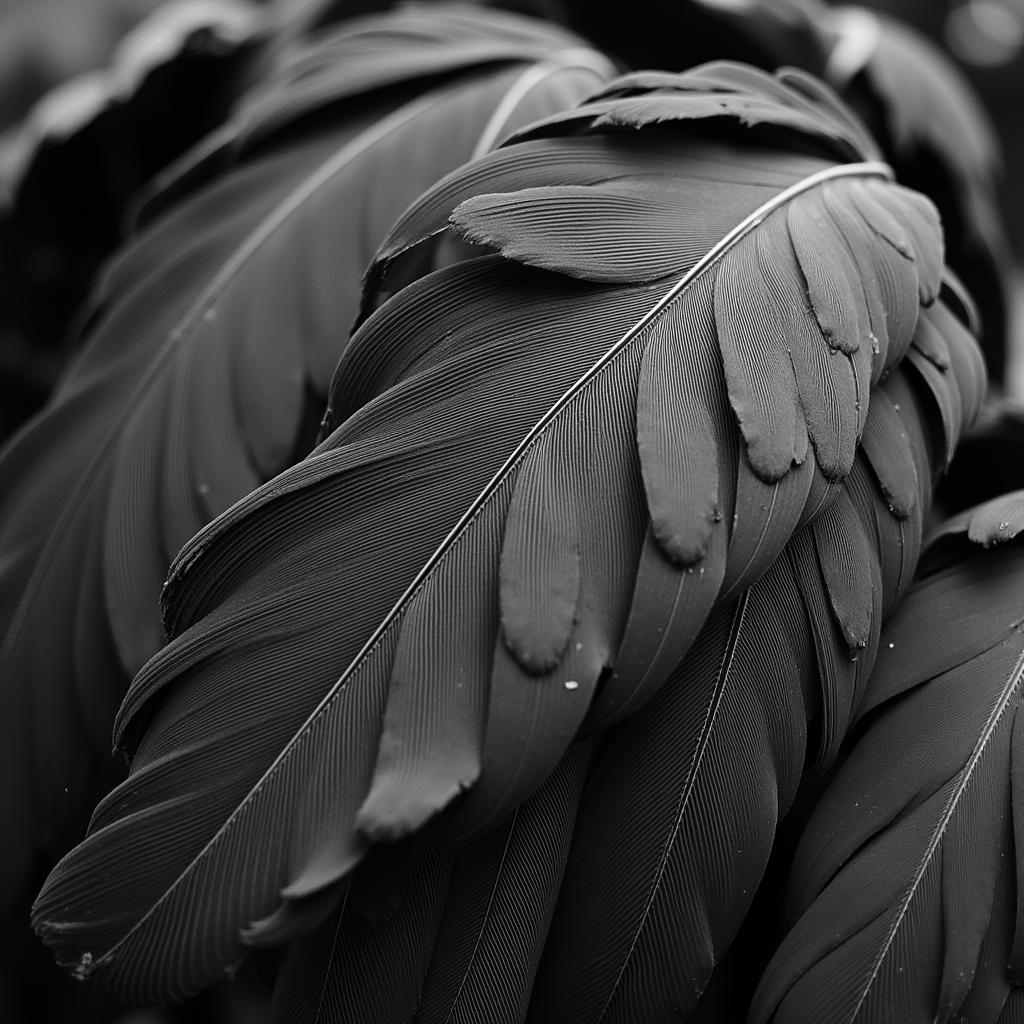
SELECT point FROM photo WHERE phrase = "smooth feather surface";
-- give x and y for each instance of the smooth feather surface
(359, 655)
(906, 886)
(206, 369)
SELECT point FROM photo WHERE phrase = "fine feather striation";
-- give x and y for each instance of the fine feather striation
(85, 150)
(459, 944)
(680, 810)
(207, 365)
(906, 886)
(422, 43)
(546, 472)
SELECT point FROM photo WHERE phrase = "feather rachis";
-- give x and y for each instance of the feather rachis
(700, 748)
(1004, 699)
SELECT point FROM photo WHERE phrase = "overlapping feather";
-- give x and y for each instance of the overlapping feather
(550, 465)
(644, 911)
(681, 811)
(204, 375)
(928, 121)
(906, 886)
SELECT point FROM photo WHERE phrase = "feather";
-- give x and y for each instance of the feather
(928, 121)
(637, 900)
(681, 809)
(322, 620)
(903, 886)
(222, 323)
(474, 950)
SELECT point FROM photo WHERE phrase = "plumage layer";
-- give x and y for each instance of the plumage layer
(930, 124)
(906, 886)
(681, 807)
(548, 470)
(205, 373)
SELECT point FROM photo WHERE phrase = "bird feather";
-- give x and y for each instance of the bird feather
(322, 622)
(903, 887)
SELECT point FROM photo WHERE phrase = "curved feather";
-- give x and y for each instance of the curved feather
(646, 864)
(342, 674)
(206, 372)
(682, 807)
(905, 887)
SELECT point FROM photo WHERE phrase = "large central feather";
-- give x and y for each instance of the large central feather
(549, 466)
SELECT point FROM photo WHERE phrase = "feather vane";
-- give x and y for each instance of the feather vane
(911, 856)
(468, 412)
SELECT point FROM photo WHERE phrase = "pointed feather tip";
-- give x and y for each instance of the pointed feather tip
(538, 615)
(997, 521)
(532, 653)
(769, 460)
(334, 861)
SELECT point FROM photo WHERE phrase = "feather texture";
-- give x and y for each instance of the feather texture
(358, 655)
(474, 956)
(930, 125)
(905, 887)
(681, 810)
(206, 371)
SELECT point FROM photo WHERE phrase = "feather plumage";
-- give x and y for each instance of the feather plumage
(205, 372)
(916, 101)
(526, 429)
(473, 953)
(681, 810)
(905, 887)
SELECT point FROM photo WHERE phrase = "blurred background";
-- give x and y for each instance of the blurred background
(45, 42)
